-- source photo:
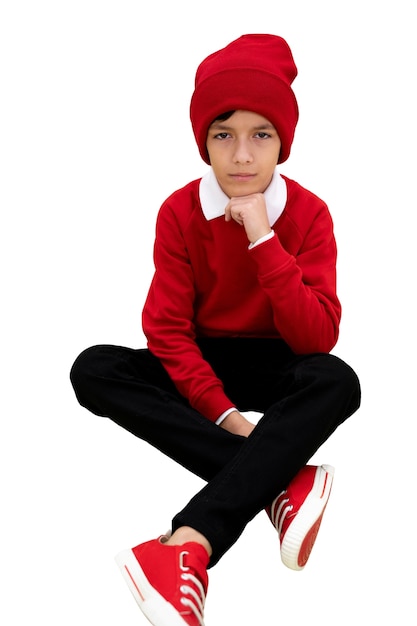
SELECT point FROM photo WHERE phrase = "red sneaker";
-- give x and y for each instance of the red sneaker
(169, 583)
(297, 513)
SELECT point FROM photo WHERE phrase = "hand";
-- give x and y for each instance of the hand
(237, 424)
(250, 212)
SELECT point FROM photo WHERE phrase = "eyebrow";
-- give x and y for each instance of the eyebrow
(222, 126)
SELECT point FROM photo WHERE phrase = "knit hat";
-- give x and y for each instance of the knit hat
(252, 73)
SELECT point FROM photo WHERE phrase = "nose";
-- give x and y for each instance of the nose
(242, 153)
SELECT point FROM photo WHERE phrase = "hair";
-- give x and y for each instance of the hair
(223, 116)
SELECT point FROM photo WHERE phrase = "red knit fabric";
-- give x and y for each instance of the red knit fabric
(208, 283)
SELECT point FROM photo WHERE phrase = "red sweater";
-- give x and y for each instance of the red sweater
(208, 283)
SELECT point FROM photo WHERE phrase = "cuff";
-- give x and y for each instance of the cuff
(261, 239)
(224, 415)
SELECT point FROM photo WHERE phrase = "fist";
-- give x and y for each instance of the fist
(249, 212)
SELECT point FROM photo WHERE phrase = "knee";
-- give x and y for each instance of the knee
(344, 379)
(86, 364)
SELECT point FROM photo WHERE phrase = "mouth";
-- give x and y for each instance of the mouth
(242, 176)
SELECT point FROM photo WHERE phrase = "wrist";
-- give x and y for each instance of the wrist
(223, 416)
(237, 424)
(261, 239)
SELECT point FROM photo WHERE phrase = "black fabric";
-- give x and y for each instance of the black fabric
(303, 399)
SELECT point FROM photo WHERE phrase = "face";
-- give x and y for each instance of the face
(243, 153)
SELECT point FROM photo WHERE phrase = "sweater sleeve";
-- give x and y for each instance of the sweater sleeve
(168, 324)
(301, 285)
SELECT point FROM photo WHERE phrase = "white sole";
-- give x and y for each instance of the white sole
(154, 606)
(302, 532)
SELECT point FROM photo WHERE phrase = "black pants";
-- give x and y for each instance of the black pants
(303, 399)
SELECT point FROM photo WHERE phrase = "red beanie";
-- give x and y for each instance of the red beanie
(252, 73)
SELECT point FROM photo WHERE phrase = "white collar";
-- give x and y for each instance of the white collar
(214, 200)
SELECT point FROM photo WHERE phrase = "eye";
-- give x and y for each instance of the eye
(262, 135)
(221, 136)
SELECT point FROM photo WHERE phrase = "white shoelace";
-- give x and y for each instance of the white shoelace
(190, 598)
(281, 513)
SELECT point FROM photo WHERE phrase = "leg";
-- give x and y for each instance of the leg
(314, 395)
(321, 391)
(133, 389)
(308, 397)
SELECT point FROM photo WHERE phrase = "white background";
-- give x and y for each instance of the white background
(94, 135)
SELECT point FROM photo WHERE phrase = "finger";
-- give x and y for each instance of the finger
(232, 213)
(228, 213)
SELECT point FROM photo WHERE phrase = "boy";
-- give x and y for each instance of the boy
(241, 315)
